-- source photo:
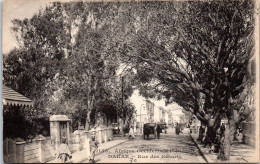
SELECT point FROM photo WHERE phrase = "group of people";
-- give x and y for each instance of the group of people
(208, 136)
(64, 153)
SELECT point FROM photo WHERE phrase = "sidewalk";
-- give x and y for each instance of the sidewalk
(240, 153)
(80, 157)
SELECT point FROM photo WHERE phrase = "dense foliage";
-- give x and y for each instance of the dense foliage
(64, 63)
(193, 53)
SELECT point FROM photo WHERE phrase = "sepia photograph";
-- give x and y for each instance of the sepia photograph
(138, 81)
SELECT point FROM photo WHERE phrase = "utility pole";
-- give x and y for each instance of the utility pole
(122, 92)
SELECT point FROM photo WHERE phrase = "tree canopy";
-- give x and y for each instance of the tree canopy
(194, 53)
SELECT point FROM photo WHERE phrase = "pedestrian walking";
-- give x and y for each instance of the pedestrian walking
(217, 141)
(201, 133)
(158, 131)
(93, 149)
(239, 135)
(63, 152)
(131, 133)
(177, 129)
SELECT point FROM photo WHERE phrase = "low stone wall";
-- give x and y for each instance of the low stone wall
(84, 139)
(31, 153)
(99, 135)
(249, 132)
(42, 149)
(13, 151)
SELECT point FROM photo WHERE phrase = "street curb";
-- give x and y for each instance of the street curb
(201, 153)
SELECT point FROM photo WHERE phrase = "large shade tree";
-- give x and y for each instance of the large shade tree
(192, 53)
(63, 61)
(195, 53)
(29, 68)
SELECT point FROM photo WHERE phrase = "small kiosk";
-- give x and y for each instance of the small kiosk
(13, 150)
(59, 128)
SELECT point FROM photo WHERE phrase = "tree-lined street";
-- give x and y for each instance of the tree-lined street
(85, 60)
(169, 148)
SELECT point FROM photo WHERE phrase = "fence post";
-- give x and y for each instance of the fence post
(105, 134)
(108, 134)
(111, 133)
(99, 135)
(41, 151)
(102, 135)
(20, 152)
(87, 143)
(108, 139)
(77, 140)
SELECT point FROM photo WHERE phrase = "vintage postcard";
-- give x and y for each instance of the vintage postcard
(171, 81)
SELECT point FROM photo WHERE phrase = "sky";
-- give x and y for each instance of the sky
(17, 9)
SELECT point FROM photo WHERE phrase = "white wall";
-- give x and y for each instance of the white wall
(156, 114)
(166, 117)
(138, 100)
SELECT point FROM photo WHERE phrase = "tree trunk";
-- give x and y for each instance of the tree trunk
(213, 124)
(211, 133)
(122, 127)
(90, 102)
(87, 125)
(226, 140)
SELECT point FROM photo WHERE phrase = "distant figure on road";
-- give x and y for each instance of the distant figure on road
(63, 152)
(158, 130)
(177, 128)
(131, 133)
